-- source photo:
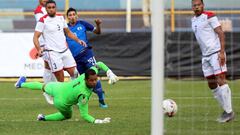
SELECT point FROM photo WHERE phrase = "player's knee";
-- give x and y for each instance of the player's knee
(221, 79)
(212, 85)
(212, 82)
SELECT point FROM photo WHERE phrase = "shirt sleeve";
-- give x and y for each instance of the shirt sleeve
(38, 16)
(214, 23)
(102, 66)
(88, 26)
(39, 27)
(38, 13)
(65, 23)
(83, 109)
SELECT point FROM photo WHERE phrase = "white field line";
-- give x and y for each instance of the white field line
(126, 98)
(205, 132)
(183, 119)
(21, 120)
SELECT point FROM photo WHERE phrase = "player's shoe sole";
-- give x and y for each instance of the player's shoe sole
(41, 117)
(19, 82)
(48, 98)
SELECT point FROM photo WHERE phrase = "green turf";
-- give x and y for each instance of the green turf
(129, 108)
(198, 110)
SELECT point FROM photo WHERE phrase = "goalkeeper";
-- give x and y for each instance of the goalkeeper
(67, 94)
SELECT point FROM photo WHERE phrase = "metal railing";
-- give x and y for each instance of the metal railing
(171, 13)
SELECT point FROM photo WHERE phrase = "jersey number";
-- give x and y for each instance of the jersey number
(54, 65)
(92, 61)
(58, 27)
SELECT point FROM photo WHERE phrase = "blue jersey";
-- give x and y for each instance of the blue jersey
(79, 29)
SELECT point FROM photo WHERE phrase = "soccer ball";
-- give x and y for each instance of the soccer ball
(169, 107)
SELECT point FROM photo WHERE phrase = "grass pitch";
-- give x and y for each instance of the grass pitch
(129, 107)
(198, 110)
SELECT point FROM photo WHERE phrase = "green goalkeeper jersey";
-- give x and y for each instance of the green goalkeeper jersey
(75, 92)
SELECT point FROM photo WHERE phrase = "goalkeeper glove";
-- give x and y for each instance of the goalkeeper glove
(112, 77)
(105, 120)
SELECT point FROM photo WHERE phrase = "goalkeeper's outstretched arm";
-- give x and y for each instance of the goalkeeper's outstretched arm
(83, 108)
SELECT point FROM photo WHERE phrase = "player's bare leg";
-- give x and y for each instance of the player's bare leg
(212, 82)
(72, 72)
(221, 79)
(59, 75)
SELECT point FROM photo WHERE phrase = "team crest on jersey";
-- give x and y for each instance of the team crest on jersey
(83, 100)
(79, 28)
(195, 28)
(203, 19)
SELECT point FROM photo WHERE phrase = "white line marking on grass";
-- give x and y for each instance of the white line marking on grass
(199, 98)
(126, 98)
(18, 99)
(70, 120)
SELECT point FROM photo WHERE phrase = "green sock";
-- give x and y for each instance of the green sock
(54, 117)
(102, 66)
(32, 85)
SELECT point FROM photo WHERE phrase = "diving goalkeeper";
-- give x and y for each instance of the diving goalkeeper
(67, 94)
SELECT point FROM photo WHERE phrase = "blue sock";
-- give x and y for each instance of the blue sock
(99, 91)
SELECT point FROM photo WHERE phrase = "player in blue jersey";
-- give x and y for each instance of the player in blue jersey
(84, 56)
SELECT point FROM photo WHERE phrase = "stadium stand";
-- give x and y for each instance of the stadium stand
(112, 23)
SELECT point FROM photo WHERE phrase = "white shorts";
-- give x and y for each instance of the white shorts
(211, 65)
(44, 56)
(59, 61)
(44, 53)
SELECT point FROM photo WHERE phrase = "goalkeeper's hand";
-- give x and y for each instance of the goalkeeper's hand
(105, 120)
(112, 77)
